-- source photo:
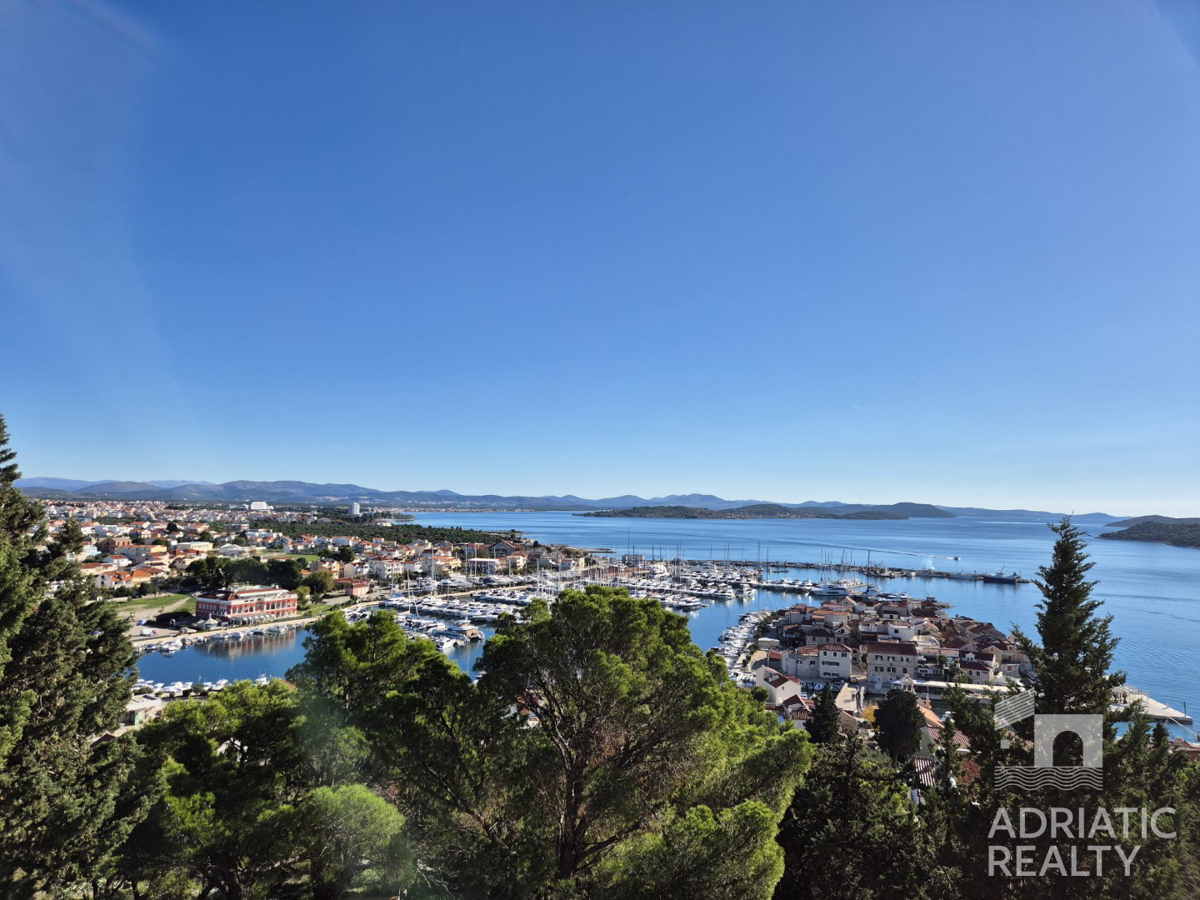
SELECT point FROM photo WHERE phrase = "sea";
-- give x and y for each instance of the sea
(1152, 591)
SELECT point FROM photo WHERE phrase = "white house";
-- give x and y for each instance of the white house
(835, 661)
(386, 569)
(888, 661)
(779, 687)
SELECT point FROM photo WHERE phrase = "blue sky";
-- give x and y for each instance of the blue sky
(944, 252)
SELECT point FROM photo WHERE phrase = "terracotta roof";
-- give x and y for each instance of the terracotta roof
(894, 648)
(842, 647)
(1186, 748)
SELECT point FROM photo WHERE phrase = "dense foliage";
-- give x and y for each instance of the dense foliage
(823, 725)
(898, 722)
(403, 532)
(65, 800)
(261, 794)
(851, 831)
(599, 754)
(214, 572)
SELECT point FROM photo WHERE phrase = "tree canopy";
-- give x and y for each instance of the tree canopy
(899, 723)
(65, 678)
(598, 745)
(823, 725)
(260, 794)
(1072, 661)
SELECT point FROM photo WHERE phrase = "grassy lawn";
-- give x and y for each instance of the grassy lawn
(136, 607)
(305, 558)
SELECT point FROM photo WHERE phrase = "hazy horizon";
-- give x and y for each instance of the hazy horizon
(645, 496)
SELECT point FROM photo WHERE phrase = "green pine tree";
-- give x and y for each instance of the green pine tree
(899, 723)
(260, 798)
(850, 832)
(823, 725)
(1076, 650)
(1072, 676)
(65, 678)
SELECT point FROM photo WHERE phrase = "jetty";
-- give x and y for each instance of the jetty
(1126, 696)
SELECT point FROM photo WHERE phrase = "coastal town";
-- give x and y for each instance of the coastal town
(850, 635)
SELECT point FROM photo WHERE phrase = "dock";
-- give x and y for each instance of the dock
(1125, 697)
(842, 568)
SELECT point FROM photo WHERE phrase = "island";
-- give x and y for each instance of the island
(1159, 530)
(775, 511)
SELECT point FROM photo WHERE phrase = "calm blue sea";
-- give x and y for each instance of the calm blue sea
(1152, 591)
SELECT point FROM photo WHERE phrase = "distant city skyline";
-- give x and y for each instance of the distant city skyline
(939, 253)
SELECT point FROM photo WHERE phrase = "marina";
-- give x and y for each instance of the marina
(1151, 590)
(450, 623)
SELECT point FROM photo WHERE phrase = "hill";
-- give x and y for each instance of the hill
(1157, 520)
(1177, 534)
(902, 510)
(55, 484)
(1036, 515)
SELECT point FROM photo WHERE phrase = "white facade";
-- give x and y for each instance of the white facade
(889, 661)
(835, 662)
(387, 569)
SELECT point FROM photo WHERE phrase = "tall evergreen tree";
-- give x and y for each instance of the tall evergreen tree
(850, 832)
(823, 725)
(65, 677)
(1076, 650)
(1072, 676)
(899, 724)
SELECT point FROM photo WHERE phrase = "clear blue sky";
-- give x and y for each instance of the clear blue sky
(945, 252)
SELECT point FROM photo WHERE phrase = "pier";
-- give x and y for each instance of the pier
(870, 571)
(1124, 697)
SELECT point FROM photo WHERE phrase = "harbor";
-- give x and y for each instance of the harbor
(738, 597)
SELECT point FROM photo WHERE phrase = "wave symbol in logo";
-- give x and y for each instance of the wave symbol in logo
(1046, 728)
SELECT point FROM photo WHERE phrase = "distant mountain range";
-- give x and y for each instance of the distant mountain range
(284, 492)
(74, 485)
